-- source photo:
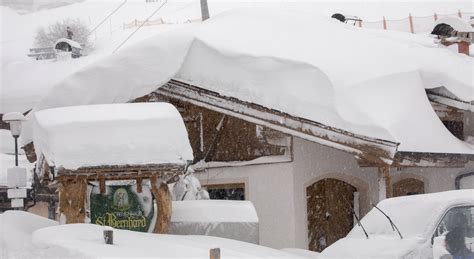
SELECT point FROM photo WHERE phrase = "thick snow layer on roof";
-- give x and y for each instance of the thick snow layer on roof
(73, 44)
(25, 81)
(457, 23)
(86, 240)
(115, 134)
(364, 81)
(213, 211)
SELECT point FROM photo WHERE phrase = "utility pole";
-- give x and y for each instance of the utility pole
(204, 10)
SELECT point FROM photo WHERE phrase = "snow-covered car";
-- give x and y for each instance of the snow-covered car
(407, 227)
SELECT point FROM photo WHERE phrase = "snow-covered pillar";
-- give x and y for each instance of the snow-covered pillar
(384, 183)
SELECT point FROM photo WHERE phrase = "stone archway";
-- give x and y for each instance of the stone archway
(329, 212)
(408, 186)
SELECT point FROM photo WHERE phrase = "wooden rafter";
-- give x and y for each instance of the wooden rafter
(127, 172)
(419, 159)
(448, 99)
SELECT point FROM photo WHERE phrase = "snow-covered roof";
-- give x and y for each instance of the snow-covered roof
(72, 43)
(213, 211)
(113, 134)
(457, 23)
(368, 82)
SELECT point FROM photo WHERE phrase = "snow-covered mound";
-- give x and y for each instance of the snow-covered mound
(115, 134)
(25, 235)
(87, 240)
(367, 82)
(16, 228)
(213, 211)
(236, 220)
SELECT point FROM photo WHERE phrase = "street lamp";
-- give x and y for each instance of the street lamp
(15, 119)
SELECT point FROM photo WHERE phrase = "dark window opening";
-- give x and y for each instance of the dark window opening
(235, 191)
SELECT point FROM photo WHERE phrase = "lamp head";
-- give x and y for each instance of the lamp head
(14, 119)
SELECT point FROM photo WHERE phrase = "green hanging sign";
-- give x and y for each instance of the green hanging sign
(122, 207)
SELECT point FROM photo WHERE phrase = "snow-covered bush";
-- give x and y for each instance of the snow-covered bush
(47, 37)
(189, 188)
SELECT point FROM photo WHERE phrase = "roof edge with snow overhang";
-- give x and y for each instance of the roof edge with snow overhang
(367, 149)
(443, 96)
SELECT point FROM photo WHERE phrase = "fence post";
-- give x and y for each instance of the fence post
(360, 24)
(459, 14)
(215, 253)
(435, 17)
(410, 19)
(384, 23)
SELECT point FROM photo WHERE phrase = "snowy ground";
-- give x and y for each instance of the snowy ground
(24, 235)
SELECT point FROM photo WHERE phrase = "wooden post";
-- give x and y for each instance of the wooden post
(163, 203)
(435, 17)
(139, 185)
(459, 14)
(463, 47)
(410, 19)
(215, 253)
(109, 237)
(384, 23)
(360, 24)
(102, 185)
(72, 198)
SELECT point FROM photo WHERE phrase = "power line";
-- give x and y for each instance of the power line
(141, 25)
(105, 19)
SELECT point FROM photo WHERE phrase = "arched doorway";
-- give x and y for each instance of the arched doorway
(409, 186)
(329, 206)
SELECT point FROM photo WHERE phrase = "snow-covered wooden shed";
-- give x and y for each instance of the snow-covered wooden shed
(69, 47)
(145, 144)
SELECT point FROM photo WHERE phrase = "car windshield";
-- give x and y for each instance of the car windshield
(457, 226)
(416, 217)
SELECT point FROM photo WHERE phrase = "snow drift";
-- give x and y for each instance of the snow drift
(235, 220)
(363, 81)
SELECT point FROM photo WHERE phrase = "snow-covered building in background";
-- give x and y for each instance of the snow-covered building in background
(306, 126)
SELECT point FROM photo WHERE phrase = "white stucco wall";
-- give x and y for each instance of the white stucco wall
(269, 187)
(278, 191)
(435, 179)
